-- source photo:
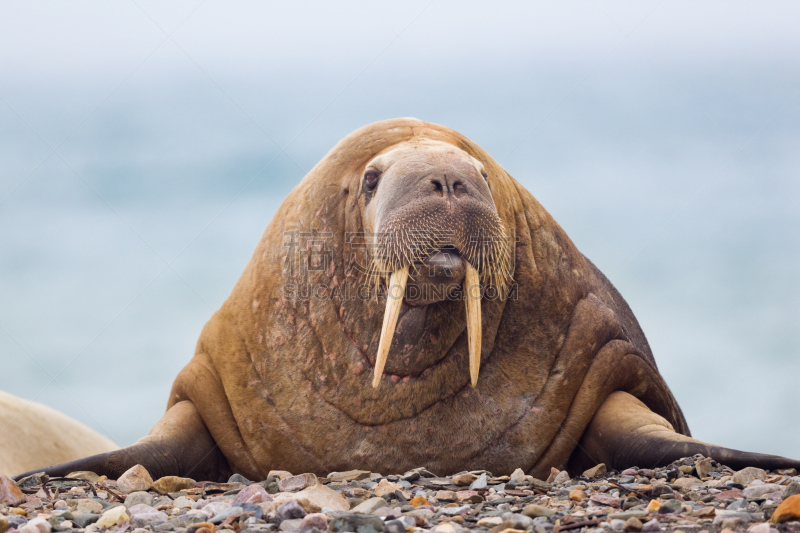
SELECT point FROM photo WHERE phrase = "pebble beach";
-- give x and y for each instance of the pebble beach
(692, 495)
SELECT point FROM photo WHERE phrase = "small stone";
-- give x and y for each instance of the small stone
(469, 496)
(253, 494)
(561, 478)
(162, 500)
(85, 505)
(747, 475)
(632, 524)
(315, 498)
(534, 510)
(37, 525)
(652, 525)
(452, 511)
(789, 509)
(168, 484)
(617, 525)
(518, 521)
(653, 506)
(113, 516)
(538, 484)
(83, 520)
(578, 495)
(317, 520)
(410, 476)
(596, 471)
(183, 502)
(703, 467)
(360, 523)
(763, 527)
(553, 473)
(446, 496)
(238, 478)
(670, 506)
(687, 481)
(136, 478)
(10, 493)
(140, 508)
(705, 512)
(3, 524)
(518, 475)
(791, 489)
(629, 472)
(290, 510)
(280, 474)
(86, 475)
(464, 479)
(370, 506)
(350, 475)
(151, 518)
(15, 521)
(385, 487)
(33, 481)
(480, 483)
(295, 483)
(756, 491)
(728, 495)
(388, 513)
(605, 499)
(135, 498)
(489, 521)
(416, 501)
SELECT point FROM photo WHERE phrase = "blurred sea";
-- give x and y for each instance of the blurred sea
(663, 136)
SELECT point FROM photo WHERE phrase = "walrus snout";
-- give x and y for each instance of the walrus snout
(435, 278)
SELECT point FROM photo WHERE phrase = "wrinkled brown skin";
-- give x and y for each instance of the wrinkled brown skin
(283, 384)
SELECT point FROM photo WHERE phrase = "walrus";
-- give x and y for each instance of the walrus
(411, 304)
(35, 435)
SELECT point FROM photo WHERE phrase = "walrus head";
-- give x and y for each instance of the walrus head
(430, 214)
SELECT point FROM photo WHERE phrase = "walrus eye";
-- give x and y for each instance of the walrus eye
(371, 179)
(485, 175)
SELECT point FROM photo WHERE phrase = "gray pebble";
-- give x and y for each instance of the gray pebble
(791, 489)
(290, 510)
(238, 478)
(83, 520)
(480, 483)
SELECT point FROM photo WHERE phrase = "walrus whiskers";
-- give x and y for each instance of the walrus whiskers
(473, 297)
(394, 300)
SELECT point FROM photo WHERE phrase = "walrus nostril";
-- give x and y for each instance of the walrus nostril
(437, 187)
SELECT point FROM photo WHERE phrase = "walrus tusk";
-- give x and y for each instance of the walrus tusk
(394, 300)
(473, 290)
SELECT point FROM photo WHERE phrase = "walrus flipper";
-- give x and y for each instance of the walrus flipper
(625, 433)
(178, 445)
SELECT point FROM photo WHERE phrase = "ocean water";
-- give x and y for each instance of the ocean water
(144, 148)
